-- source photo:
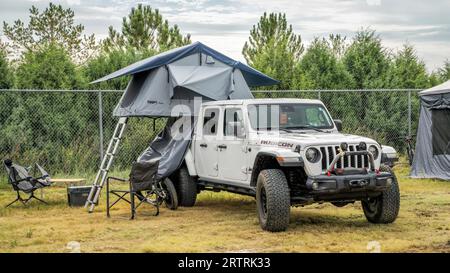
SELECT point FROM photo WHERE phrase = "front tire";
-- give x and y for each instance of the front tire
(273, 200)
(384, 208)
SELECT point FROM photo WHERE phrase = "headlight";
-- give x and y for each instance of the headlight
(312, 155)
(374, 150)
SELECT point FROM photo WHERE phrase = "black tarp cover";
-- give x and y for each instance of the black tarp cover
(170, 146)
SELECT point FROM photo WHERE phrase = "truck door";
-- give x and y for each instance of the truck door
(232, 147)
(206, 153)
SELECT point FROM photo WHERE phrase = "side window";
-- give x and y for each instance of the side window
(232, 121)
(210, 121)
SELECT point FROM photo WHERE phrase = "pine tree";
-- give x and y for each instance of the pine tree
(274, 48)
(145, 30)
(55, 25)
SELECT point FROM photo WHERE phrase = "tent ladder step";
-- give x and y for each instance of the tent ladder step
(105, 165)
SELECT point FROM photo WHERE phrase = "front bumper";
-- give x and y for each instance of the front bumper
(324, 184)
(348, 183)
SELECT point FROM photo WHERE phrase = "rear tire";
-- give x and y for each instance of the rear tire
(273, 200)
(186, 188)
(171, 200)
(384, 208)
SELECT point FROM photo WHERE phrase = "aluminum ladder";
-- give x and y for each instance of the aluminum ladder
(107, 161)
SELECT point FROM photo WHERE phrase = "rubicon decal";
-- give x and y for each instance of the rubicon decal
(275, 143)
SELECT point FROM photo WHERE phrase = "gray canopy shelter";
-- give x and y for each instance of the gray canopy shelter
(432, 156)
(166, 84)
(173, 84)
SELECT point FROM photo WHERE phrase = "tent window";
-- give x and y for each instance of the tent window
(440, 131)
(210, 120)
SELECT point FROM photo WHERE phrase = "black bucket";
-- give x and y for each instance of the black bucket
(77, 196)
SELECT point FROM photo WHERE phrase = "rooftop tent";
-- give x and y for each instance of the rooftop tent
(178, 76)
(432, 157)
(172, 84)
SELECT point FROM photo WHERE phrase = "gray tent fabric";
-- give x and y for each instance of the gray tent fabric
(432, 154)
(205, 55)
(438, 89)
(169, 147)
(199, 79)
(180, 87)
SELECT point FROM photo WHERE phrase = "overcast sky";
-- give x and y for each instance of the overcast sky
(225, 24)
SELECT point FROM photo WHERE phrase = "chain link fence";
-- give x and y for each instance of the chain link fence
(67, 130)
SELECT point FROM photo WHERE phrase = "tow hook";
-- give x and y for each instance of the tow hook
(358, 183)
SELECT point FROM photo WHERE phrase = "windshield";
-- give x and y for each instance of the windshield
(289, 116)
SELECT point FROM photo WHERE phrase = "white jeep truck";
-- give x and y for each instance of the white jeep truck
(286, 152)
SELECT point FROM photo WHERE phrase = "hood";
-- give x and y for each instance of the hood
(289, 140)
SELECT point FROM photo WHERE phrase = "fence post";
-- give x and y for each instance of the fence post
(318, 95)
(100, 123)
(409, 113)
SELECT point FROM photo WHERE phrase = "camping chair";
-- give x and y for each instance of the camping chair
(22, 181)
(144, 185)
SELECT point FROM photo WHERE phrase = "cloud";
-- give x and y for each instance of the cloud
(225, 24)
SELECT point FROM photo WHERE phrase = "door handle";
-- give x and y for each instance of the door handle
(203, 145)
(222, 146)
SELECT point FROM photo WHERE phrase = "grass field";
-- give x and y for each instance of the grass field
(224, 222)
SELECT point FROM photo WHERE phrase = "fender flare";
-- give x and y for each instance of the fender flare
(190, 164)
(255, 174)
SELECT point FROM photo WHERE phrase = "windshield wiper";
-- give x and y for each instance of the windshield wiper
(271, 129)
(308, 127)
(285, 130)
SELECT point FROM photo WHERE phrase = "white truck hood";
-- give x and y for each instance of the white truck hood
(290, 140)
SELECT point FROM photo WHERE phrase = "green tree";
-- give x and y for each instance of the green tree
(54, 128)
(320, 68)
(6, 75)
(7, 99)
(55, 25)
(338, 44)
(274, 48)
(368, 63)
(367, 60)
(145, 30)
(407, 70)
(108, 62)
(444, 71)
(440, 75)
(48, 68)
(388, 109)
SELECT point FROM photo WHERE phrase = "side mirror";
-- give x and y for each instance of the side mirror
(338, 124)
(236, 128)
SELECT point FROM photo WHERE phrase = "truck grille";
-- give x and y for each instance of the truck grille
(355, 161)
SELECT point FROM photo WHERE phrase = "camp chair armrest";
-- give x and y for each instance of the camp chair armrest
(117, 179)
(21, 180)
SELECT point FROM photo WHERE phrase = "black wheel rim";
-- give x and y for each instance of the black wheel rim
(168, 197)
(371, 205)
(263, 198)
